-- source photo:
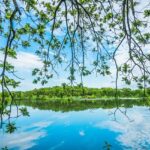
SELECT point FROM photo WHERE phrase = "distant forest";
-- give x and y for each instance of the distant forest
(66, 91)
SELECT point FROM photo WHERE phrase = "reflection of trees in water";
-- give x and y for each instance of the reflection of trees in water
(118, 106)
(76, 105)
(7, 117)
(123, 112)
(5, 148)
(107, 146)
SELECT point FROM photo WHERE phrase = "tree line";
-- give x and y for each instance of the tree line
(78, 92)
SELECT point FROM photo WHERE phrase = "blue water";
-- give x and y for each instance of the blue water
(81, 130)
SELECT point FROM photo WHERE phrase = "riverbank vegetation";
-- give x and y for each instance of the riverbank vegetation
(78, 93)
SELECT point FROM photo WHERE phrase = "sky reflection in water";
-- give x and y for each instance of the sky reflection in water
(82, 130)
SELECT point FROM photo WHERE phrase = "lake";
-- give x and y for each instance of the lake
(88, 129)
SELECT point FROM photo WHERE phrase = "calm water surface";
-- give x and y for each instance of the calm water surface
(92, 129)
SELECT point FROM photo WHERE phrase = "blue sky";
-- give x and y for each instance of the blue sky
(27, 60)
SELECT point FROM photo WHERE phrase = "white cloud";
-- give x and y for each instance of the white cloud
(25, 138)
(24, 64)
(43, 124)
(82, 133)
(134, 135)
(24, 61)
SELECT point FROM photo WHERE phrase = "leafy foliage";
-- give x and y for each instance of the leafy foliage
(10, 128)
(24, 111)
(65, 91)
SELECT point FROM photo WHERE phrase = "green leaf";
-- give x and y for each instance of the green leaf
(147, 13)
